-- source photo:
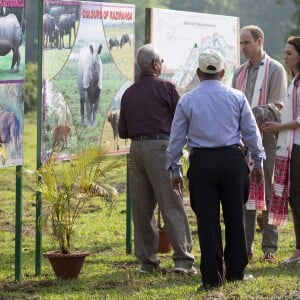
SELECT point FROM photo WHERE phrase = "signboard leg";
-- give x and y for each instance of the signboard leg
(18, 229)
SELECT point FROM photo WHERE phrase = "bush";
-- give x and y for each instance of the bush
(30, 99)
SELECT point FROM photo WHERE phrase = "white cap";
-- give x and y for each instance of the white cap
(211, 61)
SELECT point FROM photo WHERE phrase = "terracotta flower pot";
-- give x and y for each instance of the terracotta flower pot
(66, 266)
(164, 245)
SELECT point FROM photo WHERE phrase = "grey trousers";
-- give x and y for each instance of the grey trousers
(150, 184)
(270, 232)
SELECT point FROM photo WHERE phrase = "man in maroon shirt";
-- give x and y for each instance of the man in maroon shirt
(147, 110)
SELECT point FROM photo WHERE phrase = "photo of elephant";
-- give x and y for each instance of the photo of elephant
(12, 43)
(11, 124)
(60, 27)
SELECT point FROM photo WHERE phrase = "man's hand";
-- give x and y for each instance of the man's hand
(177, 185)
(257, 175)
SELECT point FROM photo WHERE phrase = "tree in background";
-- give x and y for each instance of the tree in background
(274, 17)
(30, 98)
(295, 19)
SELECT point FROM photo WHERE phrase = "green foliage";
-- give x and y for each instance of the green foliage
(68, 186)
(3, 155)
(30, 99)
(274, 17)
(296, 19)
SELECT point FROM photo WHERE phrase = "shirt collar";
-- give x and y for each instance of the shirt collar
(261, 63)
(211, 81)
(147, 73)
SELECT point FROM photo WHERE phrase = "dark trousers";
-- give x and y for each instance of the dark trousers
(294, 199)
(219, 176)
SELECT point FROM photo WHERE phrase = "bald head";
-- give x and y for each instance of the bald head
(145, 56)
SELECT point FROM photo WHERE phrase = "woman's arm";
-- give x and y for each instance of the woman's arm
(275, 127)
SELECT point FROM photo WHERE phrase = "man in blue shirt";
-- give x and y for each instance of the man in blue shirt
(212, 120)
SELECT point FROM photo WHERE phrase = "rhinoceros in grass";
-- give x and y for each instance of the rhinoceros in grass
(89, 82)
(10, 39)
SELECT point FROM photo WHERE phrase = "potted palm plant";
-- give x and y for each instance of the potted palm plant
(66, 187)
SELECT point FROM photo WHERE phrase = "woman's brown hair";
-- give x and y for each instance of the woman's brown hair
(295, 41)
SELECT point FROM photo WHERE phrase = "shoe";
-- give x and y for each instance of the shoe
(180, 270)
(269, 257)
(206, 287)
(153, 269)
(248, 277)
(291, 260)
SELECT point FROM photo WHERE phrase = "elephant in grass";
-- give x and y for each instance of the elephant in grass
(10, 39)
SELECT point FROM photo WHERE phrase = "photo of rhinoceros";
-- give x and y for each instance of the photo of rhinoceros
(87, 76)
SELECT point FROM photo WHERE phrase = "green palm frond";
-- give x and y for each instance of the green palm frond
(3, 153)
(66, 187)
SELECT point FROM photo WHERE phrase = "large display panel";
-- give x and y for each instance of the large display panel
(180, 36)
(88, 62)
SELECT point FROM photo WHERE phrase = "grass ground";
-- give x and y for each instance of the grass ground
(110, 273)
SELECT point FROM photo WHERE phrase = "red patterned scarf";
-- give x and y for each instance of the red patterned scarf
(256, 200)
(278, 211)
(260, 89)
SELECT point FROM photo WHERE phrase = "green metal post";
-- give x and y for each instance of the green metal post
(38, 242)
(128, 212)
(18, 229)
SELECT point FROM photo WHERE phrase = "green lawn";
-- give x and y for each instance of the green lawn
(108, 273)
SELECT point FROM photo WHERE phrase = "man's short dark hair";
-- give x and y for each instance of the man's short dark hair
(256, 31)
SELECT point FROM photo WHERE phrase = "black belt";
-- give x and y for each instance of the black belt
(150, 137)
(235, 146)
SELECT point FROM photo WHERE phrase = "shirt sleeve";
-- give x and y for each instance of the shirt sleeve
(277, 85)
(233, 83)
(251, 133)
(177, 141)
(122, 127)
(174, 97)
